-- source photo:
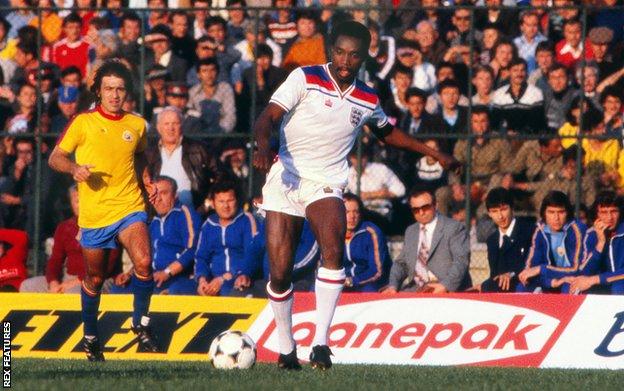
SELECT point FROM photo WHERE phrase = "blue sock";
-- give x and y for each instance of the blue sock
(90, 304)
(142, 290)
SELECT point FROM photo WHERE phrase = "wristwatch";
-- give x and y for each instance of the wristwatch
(168, 271)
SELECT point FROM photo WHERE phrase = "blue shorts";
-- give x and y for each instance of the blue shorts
(106, 237)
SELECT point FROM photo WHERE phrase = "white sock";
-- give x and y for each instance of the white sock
(328, 287)
(281, 303)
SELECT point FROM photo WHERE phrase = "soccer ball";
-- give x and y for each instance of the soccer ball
(232, 350)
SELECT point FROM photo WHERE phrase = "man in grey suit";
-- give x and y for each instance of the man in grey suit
(436, 252)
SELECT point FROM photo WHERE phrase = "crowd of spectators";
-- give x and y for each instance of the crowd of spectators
(507, 91)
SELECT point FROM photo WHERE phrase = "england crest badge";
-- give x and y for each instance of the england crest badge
(356, 116)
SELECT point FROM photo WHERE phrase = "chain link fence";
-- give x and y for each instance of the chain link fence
(448, 76)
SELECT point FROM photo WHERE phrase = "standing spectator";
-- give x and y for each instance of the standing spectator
(508, 246)
(213, 99)
(72, 50)
(570, 49)
(330, 16)
(221, 267)
(185, 160)
(491, 35)
(182, 43)
(13, 255)
(366, 258)
(159, 40)
(530, 38)
(68, 107)
(378, 185)
(129, 33)
(435, 254)
(173, 235)
(227, 56)
(519, 107)
(309, 46)
(65, 269)
(556, 246)
(558, 97)
(545, 59)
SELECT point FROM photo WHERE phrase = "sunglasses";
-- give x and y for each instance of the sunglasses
(463, 18)
(424, 208)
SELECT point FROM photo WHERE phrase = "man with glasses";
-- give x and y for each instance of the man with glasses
(436, 252)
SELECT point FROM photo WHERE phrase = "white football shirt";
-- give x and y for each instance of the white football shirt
(321, 123)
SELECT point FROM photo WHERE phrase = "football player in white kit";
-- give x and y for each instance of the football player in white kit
(319, 110)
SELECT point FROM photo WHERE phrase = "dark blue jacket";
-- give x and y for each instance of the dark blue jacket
(222, 249)
(609, 264)
(541, 255)
(366, 258)
(174, 238)
(511, 257)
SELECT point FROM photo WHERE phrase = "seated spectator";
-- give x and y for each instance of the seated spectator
(556, 247)
(586, 77)
(213, 99)
(226, 55)
(366, 258)
(603, 265)
(72, 50)
(394, 92)
(24, 119)
(84, 10)
(106, 46)
(454, 118)
(158, 14)
(177, 95)
(537, 160)
(13, 256)
(306, 259)
(436, 252)
(220, 265)
(611, 103)
(570, 49)
(113, 14)
(159, 40)
(65, 269)
(504, 52)
(491, 35)
(155, 89)
(570, 129)
(68, 107)
(429, 173)
(508, 247)
(530, 38)
(233, 164)
(173, 233)
(308, 48)
(544, 59)
(129, 33)
(381, 57)
(237, 18)
(19, 17)
(431, 47)
(611, 17)
(256, 35)
(483, 80)
(505, 19)
(518, 107)
(558, 97)
(462, 30)
(206, 47)
(378, 185)
(281, 23)
(185, 160)
(600, 39)
(410, 56)
(51, 22)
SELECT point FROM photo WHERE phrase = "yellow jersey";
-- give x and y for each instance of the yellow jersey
(109, 144)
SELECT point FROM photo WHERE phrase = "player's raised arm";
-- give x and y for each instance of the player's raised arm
(60, 161)
(270, 118)
(394, 136)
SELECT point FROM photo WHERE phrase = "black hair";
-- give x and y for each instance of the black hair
(557, 199)
(448, 83)
(481, 109)
(352, 29)
(223, 186)
(591, 119)
(400, 68)
(610, 91)
(353, 197)
(264, 50)
(498, 196)
(415, 91)
(130, 15)
(72, 18)
(518, 61)
(545, 46)
(444, 64)
(556, 67)
(212, 20)
(172, 182)
(112, 68)
(544, 141)
(207, 61)
(570, 153)
(418, 191)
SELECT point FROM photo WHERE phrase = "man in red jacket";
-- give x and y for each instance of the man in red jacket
(65, 269)
(13, 254)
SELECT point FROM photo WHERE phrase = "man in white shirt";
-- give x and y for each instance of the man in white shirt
(320, 110)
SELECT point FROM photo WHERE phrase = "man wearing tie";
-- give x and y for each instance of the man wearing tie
(508, 247)
(436, 252)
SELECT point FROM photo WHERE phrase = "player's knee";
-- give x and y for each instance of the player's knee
(143, 268)
(280, 282)
(94, 282)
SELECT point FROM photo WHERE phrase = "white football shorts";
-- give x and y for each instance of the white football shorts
(285, 192)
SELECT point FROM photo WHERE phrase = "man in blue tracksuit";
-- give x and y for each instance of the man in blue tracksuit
(603, 264)
(556, 249)
(220, 264)
(366, 257)
(173, 235)
(306, 260)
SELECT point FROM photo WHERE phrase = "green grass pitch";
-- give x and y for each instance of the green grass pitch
(32, 374)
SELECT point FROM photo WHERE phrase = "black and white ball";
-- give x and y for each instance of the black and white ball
(232, 350)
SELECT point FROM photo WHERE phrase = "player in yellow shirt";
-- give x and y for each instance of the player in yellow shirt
(109, 149)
